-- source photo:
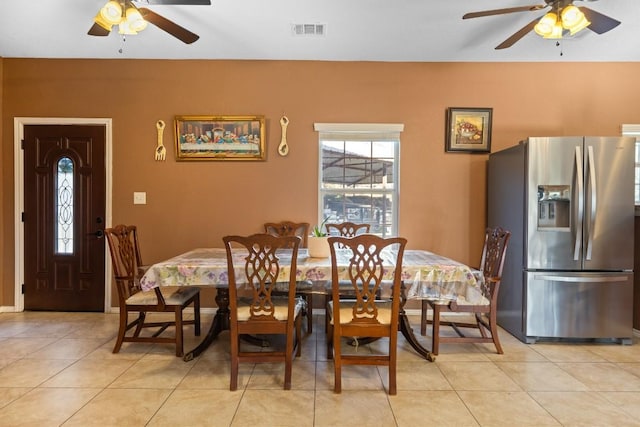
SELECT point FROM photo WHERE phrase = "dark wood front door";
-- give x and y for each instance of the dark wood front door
(64, 200)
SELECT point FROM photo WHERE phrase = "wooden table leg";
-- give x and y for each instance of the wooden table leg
(220, 323)
(407, 332)
(405, 327)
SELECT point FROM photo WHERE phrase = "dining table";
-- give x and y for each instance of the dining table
(425, 275)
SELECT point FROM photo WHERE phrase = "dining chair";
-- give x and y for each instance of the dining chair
(347, 229)
(484, 312)
(367, 314)
(126, 261)
(254, 307)
(344, 229)
(300, 229)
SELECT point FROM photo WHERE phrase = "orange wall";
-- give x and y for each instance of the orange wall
(193, 204)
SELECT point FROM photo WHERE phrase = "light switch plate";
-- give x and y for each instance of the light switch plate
(139, 198)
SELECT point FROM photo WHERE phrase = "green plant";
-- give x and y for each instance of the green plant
(317, 229)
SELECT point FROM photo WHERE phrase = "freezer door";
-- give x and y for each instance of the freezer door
(579, 305)
(555, 203)
(609, 203)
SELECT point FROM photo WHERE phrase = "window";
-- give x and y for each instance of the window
(358, 175)
(634, 131)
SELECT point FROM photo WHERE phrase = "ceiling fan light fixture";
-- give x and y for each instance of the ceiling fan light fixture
(581, 25)
(111, 12)
(556, 31)
(100, 21)
(545, 26)
(125, 29)
(134, 20)
(576, 25)
(573, 19)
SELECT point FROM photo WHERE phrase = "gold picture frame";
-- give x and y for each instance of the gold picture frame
(220, 137)
(468, 130)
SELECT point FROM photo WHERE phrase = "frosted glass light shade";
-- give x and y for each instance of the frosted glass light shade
(544, 27)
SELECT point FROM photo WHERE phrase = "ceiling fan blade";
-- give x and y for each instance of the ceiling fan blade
(503, 11)
(518, 35)
(169, 26)
(599, 23)
(97, 30)
(179, 2)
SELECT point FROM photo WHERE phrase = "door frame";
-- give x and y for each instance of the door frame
(18, 177)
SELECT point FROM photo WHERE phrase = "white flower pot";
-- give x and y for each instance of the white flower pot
(318, 247)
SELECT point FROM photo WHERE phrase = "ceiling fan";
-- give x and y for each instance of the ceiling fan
(595, 21)
(131, 19)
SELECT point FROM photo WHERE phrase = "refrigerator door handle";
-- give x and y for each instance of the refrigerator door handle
(593, 193)
(580, 214)
(581, 279)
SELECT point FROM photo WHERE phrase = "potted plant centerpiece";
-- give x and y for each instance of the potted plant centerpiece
(318, 244)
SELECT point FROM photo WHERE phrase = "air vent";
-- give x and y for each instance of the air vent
(308, 29)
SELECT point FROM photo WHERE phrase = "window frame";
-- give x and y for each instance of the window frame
(633, 130)
(369, 132)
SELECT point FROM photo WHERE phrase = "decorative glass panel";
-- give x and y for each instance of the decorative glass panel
(64, 207)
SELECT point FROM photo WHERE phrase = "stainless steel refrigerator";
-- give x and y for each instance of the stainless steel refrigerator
(569, 203)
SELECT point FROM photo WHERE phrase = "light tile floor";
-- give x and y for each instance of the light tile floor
(58, 369)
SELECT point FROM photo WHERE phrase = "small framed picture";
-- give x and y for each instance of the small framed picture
(468, 130)
(220, 137)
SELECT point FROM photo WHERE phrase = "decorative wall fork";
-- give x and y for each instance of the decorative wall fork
(161, 151)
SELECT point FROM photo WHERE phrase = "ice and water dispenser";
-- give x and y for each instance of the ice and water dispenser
(554, 207)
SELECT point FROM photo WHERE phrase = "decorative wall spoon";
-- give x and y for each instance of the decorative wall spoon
(283, 148)
(161, 151)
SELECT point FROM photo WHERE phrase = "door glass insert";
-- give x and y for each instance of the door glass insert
(64, 207)
(554, 206)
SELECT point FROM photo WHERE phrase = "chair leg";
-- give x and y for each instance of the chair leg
(329, 341)
(233, 383)
(179, 339)
(288, 353)
(298, 342)
(435, 343)
(328, 328)
(196, 315)
(494, 332)
(481, 327)
(309, 300)
(423, 318)
(393, 354)
(142, 317)
(287, 370)
(327, 298)
(337, 363)
(122, 329)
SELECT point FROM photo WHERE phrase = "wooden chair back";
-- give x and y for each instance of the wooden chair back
(126, 259)
(256, 306)
(375, 262)
(347, 229)
(289, 228)
(127, 269)
(344, 229)
(485, 313)
(300, 229)
(492, 261)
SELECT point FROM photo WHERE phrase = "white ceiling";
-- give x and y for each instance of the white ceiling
(356, 30)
